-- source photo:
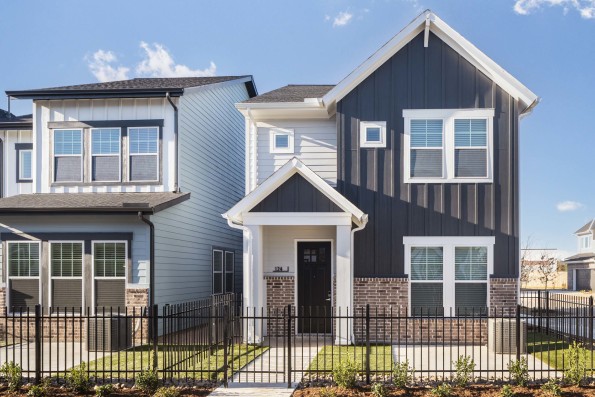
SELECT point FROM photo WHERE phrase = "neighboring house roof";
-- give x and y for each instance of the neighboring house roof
(580, 257)
(427, 22)
(8, 121)
(280, 176)
(589, 226)
(292, 93)
(138, 87)
(149, 203)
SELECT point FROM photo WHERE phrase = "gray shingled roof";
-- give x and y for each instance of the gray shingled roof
(90, 202)
(16, 122)
(292, 93)
(588, 226)
(579, 257)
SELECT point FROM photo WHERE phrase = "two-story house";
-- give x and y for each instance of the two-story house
(398, 186)
(118, 190)
(581, 266)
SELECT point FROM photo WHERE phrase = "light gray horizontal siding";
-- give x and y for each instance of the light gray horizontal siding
(211, 155)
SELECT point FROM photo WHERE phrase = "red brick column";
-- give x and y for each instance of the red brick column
(503, 296)
(280, 292)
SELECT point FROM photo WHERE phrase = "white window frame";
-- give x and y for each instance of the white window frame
(50, 277)
(91, 155)
(9, 277)
(585, 238)
(143, 154)
(93, 277)
(448, 245)
(67, 155)
(363, 126)
(448, 117)
(274, 132)
(21, 153)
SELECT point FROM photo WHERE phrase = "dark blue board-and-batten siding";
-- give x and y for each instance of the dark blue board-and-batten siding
(426, 78)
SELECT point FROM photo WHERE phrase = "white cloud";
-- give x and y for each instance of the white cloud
(100, 64)
(566, 206)
(159, 63)
(586, 8)
(342, 19)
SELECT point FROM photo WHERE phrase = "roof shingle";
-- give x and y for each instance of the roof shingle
(292, 93)
(586, 227)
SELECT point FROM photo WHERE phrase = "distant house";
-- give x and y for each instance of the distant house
(581, 266)
(537, 264)
(112, 193)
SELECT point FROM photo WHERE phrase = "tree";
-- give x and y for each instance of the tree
(526, 268)
(546, 269)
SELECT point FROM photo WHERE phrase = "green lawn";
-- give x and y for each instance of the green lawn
(181, 360)
(550, 350)
(381, 358)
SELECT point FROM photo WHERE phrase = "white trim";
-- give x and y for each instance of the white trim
(448, 245)
(293, 166)
(297, 218)
(91, 155)
(9, 277)
(21, 153)
(129, 154)
(448, 116)
(363, 126)
(274, 133)
(467, 50)
(82, 277)
(93, 278)
(54, 155)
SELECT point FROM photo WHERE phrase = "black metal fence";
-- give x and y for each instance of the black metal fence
(218, 340)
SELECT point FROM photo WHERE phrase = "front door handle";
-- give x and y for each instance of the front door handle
(329, 296)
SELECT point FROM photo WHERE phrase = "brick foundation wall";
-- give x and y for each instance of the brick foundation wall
(503, 295)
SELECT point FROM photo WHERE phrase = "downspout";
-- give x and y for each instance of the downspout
(151, 258)
(176, 168)
(364, 222)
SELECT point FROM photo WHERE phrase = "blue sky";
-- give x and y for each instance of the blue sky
(549, 45)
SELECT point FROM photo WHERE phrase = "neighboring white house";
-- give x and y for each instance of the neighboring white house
(112, 193)
(581, 266)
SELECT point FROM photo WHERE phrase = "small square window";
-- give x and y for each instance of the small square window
(372, 134)
(281, 141)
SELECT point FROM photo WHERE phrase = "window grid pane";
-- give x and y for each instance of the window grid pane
(105, 141)
(23, 259)
(67, 142)
(471, 132)
(143, 140)
(426, 263)
(25, 169)
(67, 259)
(471, 263)
(281, 141)
(426, 133)
(372, 134)
(218, 271)
(109, 259)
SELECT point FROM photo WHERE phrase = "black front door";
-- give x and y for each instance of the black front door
(314, 286)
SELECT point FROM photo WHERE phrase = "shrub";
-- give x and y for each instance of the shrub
(577, 364)
(77, 379)
(147, 381)
(403, 374)
(379, 390)
(12, 373)
(344, 374)
(167, 392)
(40, 390)
(442, 390)
(519, 371)
(507, 391)
(552, 388)
(464, 367)
(104, 390)
(327, 392)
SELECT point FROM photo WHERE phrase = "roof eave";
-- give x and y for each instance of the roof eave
(92, 94)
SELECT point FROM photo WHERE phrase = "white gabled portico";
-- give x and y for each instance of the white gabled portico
(340, 214)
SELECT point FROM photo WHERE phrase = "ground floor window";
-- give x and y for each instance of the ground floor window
(109, 272)
(223, 266)
(448, 276)
(66, 270)
(23, 275)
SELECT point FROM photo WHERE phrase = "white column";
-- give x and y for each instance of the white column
(344, 289)
(253, 284)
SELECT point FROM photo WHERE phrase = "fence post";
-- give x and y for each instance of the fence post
(590, 327)
(155, 331)
(518, 332)
(547, 312)
(37, 344)
(539, 310)
(368, 343)
(289, 346)
(225, 345)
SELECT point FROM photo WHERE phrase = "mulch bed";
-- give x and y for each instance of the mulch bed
(469, 391)
(126, 392)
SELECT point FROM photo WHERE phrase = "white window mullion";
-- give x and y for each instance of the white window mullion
(449, 280)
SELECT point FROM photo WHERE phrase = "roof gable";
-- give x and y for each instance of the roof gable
(430, 22)
(587, 227)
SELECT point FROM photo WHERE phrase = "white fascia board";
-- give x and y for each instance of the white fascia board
(285, 110)
(192, 90)
(297, 219)
(450, 37)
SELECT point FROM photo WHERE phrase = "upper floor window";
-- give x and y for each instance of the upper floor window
(143, 150)
(24, 160)
(585, 241)
(448, 145)
(68, 155)
(105, 154)
(282, 141)
(372, 134)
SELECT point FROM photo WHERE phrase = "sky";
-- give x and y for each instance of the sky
(549, 45)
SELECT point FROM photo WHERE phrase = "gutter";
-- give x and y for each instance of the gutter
(142, 218)
(176, 167)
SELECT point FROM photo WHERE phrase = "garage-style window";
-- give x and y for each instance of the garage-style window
(109, 264)
(143, 150)
(23, 275)
(68, 155)
(105, 154)
(66, 272)
(223, 265)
